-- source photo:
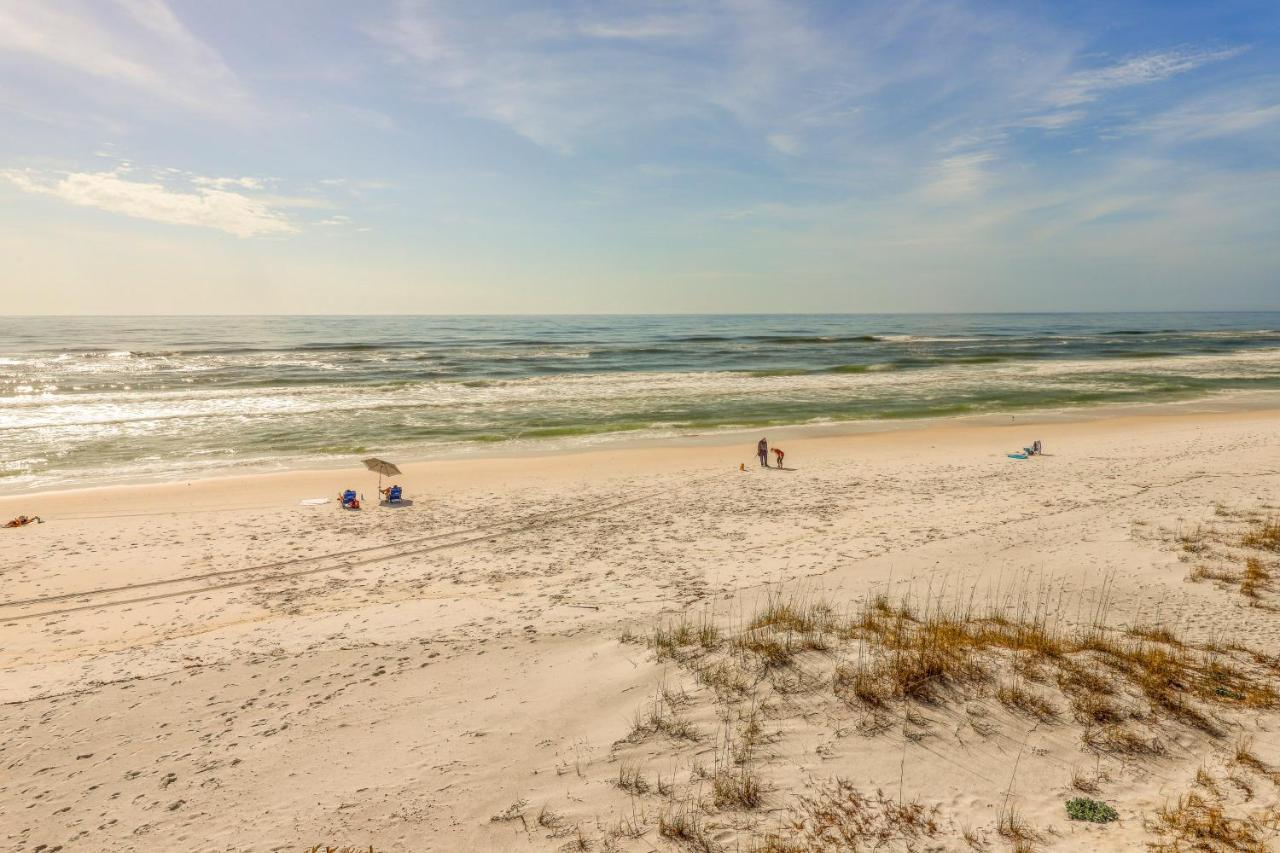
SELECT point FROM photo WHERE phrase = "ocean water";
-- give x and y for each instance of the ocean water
(94, 399)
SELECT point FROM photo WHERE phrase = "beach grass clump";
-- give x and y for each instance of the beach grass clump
(1256, 578)
(1116, 739)
(726, 677)
(838, 816)
(795, 613)
(736, 787)
(631, 779)
(1154, 634)
(1025, 701)
(769, 648)
(1091, 810)
(1075, 678)
(1203, 572)
(1244, 756)
(1021, 835)
(1263, 534)
(708, 633)
(1092, 708)
(682, 822)
(670, 638)
(1204, 779)
(659, 715)
(1195, 541)
(786, 626)
(1196, 822)
(1082, 782)
(864, 684)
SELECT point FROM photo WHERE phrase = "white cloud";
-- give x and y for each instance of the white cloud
(1085, 86)
(227, 183)
(204, 206)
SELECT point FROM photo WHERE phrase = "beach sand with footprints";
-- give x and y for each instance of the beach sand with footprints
(646, 648)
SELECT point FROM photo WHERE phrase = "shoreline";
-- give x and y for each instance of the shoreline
(713, 452)
(517, 450)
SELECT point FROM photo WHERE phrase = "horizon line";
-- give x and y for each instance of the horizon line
(655, 314)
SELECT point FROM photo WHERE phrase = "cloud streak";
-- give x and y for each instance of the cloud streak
(563, 79)
(958, 178)
(1089, 85)
(1219, 117)
(203, 207)
(138, 45)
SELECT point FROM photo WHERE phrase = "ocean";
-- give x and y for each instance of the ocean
(92, 400)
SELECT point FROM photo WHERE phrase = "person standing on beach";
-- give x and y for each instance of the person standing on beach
(778, 453)
(762, 450)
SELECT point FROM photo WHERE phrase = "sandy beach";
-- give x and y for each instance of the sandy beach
(213, 666)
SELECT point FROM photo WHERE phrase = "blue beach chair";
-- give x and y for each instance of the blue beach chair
(394, 495)
(350, 500)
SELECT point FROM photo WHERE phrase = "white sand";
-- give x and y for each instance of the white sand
(210, 666)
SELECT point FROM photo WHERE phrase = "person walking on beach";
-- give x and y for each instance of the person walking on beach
(778, 454)
(762, 450)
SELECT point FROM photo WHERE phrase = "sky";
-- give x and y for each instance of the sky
(756, 156)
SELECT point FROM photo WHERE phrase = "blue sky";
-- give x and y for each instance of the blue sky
(748, 155)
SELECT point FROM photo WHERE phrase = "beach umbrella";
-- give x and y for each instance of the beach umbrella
(382, 467)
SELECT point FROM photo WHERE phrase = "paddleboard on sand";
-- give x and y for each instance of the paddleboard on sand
(1016, 455)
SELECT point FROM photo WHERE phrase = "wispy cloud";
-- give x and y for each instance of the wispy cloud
(138, 45)
(645, 27)
(1085, 86)
(958, 178)
(227, 183)
(561, 77)
(203, 206)
(1051, 121)
(1223, 115)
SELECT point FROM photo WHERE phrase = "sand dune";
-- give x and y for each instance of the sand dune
(213, 666)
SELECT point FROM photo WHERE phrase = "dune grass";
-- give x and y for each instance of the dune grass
(1263, 534)
(1197, 822)
(1243, 558)
(839, 816)
(1127, 692)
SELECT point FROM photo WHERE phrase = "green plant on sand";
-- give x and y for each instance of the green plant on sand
(1094, 811)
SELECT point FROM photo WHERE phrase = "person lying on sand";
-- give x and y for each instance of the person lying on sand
(23, 521)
